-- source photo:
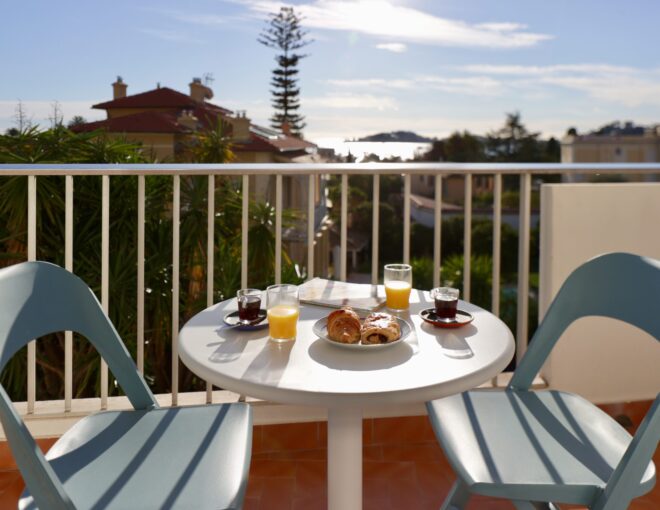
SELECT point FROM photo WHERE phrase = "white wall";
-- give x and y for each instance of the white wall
(601, 359)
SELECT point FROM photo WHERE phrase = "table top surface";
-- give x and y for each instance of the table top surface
(430, 363)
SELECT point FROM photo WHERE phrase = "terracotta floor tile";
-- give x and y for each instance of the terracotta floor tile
(291, 436)
(372, 452)
(412, 452)
(251, 503)
(272, 468)
(375, 488)
(311, 479)
(393, 430)
(277, 494)
(255, 487)
(434, 478)
(310, 503)
(378, 504)
(11, 487)
(389, 470)
(317, 454)
(405, 493)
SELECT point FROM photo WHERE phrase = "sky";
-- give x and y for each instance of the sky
(429, 66)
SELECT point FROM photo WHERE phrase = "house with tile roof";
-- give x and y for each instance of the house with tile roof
(166, 121)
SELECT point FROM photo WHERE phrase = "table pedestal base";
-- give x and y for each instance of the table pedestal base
(345, 459)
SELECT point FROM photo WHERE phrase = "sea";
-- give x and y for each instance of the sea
(403, 150)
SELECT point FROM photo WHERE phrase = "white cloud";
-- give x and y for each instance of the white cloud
(393, 47)
(469, 85)
(373, 83)
(383, 18)
(618, 84)
(351, 102)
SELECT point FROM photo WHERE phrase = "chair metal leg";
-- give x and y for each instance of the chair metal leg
(457, 498)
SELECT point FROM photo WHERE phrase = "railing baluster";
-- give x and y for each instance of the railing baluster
(140, 271)
(344, 228)
(497, 241)
(497, 249)
(311, 223)
(406, 219)
(105, 265)
(437, 231)
(68, 264)
(245, 195)
(32, 255)
(210, 245)
(278, 228)
(523, 264)
(467, 237)
(375, 228)
(176, 226)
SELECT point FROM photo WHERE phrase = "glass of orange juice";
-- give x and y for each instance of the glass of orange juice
(398, 284)
(283, 309)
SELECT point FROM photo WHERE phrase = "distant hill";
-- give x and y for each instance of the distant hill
(395, 136)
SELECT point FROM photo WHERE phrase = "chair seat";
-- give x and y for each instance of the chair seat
(533, 446)
(188, 457)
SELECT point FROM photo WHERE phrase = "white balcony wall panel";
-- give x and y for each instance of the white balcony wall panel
(601, 359)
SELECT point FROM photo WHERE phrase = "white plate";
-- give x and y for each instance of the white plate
(320, 328)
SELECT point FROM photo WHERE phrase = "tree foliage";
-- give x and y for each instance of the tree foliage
(284, 33)
(59, 145)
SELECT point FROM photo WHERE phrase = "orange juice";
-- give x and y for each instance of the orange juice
(282, 322)
(397, 294)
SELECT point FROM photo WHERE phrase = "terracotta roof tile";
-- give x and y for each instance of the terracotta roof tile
(143, 122)
(163, 97)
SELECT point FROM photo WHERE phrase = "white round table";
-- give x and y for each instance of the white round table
(430, 363)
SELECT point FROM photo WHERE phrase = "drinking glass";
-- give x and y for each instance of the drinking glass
(283, 308)
(249, 303)
(446, 302)
(398, 284)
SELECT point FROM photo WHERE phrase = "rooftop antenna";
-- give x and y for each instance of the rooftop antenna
(208, 79)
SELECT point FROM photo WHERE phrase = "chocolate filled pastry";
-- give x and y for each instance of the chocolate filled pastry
(344, 326)
(380, 328)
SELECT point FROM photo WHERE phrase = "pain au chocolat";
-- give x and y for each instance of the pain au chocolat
(380, 328)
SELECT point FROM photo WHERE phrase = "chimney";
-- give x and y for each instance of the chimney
(198, 91)
(119, 88)
(286, 128)
(240, 127)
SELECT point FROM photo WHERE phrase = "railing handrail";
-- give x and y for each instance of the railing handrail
(440, 168)
(525, 172)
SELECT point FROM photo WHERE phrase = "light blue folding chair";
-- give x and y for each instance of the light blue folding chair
(188, 457)
(542, 448)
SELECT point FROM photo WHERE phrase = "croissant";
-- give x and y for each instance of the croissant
(344, 326)
(380, 328)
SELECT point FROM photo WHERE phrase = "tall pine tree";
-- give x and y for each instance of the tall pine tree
(284, 33)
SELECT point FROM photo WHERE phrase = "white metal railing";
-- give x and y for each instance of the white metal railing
(406, 170)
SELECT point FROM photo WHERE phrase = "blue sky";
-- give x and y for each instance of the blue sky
(431, 66)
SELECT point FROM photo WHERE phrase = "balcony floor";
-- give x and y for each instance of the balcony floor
(403, 466)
